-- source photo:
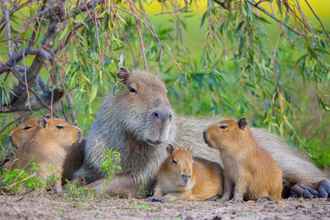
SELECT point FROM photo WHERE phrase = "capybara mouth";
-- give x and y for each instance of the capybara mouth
(205, 138)
(151, 142)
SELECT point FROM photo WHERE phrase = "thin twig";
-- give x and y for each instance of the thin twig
(138, 28)
(29, 89)
(13, 10)
(317, 18)
(4, 4)
(274, 18)
(37, 23)
(68, 37)
(149, 28)
(225, 4)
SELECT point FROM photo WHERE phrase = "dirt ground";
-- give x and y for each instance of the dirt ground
(58, 207)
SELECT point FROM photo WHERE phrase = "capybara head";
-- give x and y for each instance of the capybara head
(59, 131)
(225, 134)
(44, 131)
(144, 108)
(24, 132)
(180, 166)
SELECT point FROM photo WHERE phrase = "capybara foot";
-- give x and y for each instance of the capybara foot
(264, 199)
(324, 188)
(155, 199)
(214, 198)
(300, 190)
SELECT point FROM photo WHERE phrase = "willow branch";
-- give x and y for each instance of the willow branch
(274, 18)
(317, 18)
(4, 4)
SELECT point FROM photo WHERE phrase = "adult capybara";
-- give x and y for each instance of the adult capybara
(140, 122)
(53, 144)
(249, 171)
(182, 177)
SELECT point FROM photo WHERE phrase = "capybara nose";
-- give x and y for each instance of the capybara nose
(162, 115)
(205, 137)
(185, 178)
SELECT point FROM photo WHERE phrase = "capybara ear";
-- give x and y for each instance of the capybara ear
(43, 122)
(242, 123)
(170, 149)
(123, 74)
(189, 149)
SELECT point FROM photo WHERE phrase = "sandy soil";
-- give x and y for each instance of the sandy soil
(57, 207)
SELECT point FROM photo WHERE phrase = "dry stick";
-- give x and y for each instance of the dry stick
(317, 18)
(274, 18)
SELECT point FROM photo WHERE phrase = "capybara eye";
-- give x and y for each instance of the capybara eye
(59, 126)
(174, 162)
(27, 127)
(132, 90)
(222, 126)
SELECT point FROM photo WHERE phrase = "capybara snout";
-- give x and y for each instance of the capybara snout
(185, 179)
(162, 114)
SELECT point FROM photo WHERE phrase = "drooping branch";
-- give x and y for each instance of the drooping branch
(17, 57)
(53, 13)
(264, 11)
(317, 18)
(4, 4)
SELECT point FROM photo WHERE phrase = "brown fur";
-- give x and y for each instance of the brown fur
(248, 168)
(122, 124)
(183, 177)
(125, 123)
(53, 144)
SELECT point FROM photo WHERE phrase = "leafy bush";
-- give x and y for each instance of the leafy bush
(111, 163)
(19, 180)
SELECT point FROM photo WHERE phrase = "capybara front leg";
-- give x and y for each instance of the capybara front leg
(227, 191)
(240, 190)
(301, 190)
(324, 188)
(119, 185)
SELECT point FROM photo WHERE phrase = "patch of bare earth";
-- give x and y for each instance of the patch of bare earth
(57, 207)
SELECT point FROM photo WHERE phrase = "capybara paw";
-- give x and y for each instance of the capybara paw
(324, 188)
(223, 199)
(155, 199)
(237, 200)
(214, 198)
(264, 199)
(300, 190)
